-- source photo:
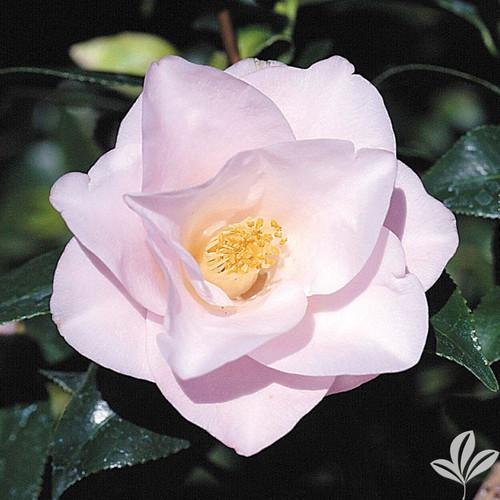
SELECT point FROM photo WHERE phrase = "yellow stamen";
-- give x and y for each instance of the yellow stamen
(236, 253)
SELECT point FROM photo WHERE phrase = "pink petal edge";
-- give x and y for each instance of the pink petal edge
(98, 318)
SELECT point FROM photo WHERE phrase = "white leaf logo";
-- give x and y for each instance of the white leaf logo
(462, 468)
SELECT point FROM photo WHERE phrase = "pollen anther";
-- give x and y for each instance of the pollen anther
(237, 248)
(235, 254)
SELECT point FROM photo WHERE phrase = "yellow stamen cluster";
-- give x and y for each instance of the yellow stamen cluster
(235, 254)
(239, 248)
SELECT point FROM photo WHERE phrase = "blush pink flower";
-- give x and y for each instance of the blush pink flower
(251, 245)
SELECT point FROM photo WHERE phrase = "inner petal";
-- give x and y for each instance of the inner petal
(235, 254)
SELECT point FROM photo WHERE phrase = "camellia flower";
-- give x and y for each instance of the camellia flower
(251, 245)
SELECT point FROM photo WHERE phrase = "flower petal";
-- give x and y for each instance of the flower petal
(130, 131)
(245, 405)
(92, 206)
(344, 197)
(376, 324)
(97, 317)
(325, 101)
(195, 118)
(199, 338)
(343, 383)
(426, 228)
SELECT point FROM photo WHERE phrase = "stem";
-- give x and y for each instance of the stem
(228, 36)
(463, 498)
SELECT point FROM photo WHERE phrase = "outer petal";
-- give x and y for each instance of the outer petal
(378, 323)
(93, 208)
(426, 228)
(325, 101)
(245, 405)
(344, 383)
(195, 118)
(202, 338)
(342, 198)
(130, 131)
(97, 316)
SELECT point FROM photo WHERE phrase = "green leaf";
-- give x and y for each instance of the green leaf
(25, 435)
(90, 437)
(44, 332)
(255, 38)
(128, 52)
(469, 12)
(472, 267)
(487, 319)
(456, 339)
(94, 77)
(467, 178)
(25, 292)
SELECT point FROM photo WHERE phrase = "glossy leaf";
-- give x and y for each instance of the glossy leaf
(467, 178)
(25, 435)
(90, 437)
(456, 339)
(25, 292)
(469, 12)
(487, 318)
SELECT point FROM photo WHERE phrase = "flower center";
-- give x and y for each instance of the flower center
(235, 254)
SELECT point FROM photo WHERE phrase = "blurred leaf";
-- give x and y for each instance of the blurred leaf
(28, 222)
(25, 435)
(130, 53)
(469, 12)
(259, 40)
(487, 319)
(98, 78)
(252, 39)
(472, 267)
(218, 60)
(287, 8)
(90, 438)
(456, 339)
(255, 38)
(395, 70)
(75, 96)
(467, 178)
(44, 332)
(314, 52)
(74, 134)
(25, 292)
